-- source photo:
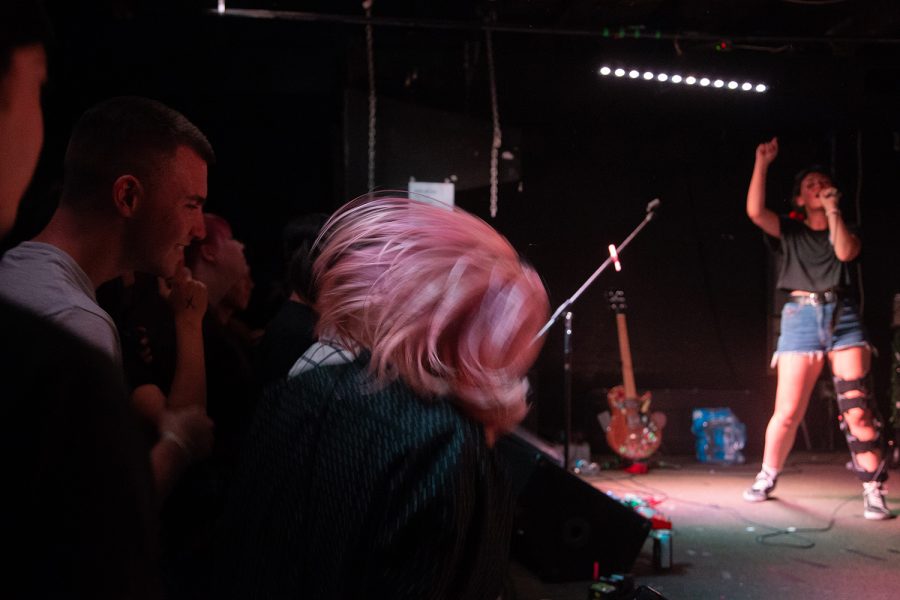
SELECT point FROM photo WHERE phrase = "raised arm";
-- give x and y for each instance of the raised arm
(761, 216)
(188, 299)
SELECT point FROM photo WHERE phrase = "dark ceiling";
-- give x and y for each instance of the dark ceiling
(873, 19)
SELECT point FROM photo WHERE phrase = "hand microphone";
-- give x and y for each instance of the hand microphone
(830, 193)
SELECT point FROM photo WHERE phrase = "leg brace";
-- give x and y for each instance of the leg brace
(865, 401)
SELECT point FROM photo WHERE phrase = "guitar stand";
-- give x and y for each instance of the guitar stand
(637, 467)
(614, 252)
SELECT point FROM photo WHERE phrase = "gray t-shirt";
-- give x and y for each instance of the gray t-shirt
(44, 280)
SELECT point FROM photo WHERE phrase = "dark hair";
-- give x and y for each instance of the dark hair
(22, 23)
(125, 135)
(300, 231)
(297, 239)
(801, 175)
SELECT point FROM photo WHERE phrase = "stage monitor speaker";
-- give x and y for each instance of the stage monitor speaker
(563, 526)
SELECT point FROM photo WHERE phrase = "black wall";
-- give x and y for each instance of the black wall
(589, 154)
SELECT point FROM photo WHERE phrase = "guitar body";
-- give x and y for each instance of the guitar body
(632, 432)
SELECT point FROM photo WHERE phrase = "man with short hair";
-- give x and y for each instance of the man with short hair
(135, 179)
(133, 192)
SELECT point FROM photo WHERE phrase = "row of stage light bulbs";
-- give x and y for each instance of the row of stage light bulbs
(689, 80)
(650, 76)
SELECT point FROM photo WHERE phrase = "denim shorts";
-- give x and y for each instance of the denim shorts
(812, 328)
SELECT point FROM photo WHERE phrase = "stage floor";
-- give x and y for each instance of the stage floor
(728, 549)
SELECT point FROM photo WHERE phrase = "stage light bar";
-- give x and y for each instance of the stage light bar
(678, 78)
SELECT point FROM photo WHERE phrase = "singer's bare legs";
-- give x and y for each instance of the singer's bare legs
(797, 375)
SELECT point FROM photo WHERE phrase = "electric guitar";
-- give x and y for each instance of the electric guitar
(632, 432)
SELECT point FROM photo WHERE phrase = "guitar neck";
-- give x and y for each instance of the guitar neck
(625, 355)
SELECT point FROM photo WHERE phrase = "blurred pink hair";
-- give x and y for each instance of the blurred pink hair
(218, 231)
(438, 297)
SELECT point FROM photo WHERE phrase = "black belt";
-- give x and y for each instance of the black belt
(815, 298)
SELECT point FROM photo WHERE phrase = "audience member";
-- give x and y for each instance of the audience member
(375, 476)
(134, 185)
(291, 331)
(142, 305)
(77, 497)
(231, 309)
(218, 261)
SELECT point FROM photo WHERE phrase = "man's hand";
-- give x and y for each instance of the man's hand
(187, 297)
(190, 429)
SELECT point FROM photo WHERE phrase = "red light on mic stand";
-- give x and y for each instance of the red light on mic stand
(615, 257)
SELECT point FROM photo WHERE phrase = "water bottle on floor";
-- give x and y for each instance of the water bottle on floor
(720, 436)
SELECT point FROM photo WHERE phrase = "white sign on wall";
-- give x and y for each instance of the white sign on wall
(432, 192)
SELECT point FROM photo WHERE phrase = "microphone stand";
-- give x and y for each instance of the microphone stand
(567, 333)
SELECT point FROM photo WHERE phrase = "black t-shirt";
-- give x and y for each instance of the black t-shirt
(149, 347)
(78, 504)
(147, 329)
(807, 260)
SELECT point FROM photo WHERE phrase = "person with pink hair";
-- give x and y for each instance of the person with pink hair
(371, 471)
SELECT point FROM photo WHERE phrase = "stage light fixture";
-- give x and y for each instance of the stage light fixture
(221, 7)
(702, 81)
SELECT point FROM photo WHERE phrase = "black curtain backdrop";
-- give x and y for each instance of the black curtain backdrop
(280, 102)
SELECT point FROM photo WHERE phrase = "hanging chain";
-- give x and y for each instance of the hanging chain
(495, 113)
(370, 64)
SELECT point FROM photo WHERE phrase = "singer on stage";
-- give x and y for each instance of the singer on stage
(820, 320)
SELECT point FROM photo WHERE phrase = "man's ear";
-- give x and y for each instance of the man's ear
(127, 194)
